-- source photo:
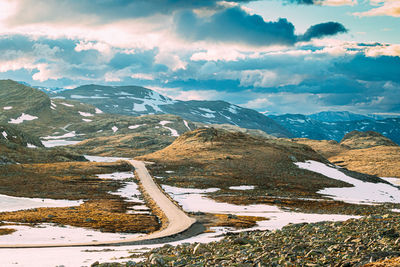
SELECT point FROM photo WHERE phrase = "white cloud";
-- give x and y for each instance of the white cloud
(268, 78)
(337, 2)
(385, 50)
(170, 60)
(386, 8)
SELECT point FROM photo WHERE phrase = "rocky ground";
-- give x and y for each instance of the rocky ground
(355, 242)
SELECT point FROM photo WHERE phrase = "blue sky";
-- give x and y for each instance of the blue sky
(277, 56)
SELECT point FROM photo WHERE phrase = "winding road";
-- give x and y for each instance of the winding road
(177, 220)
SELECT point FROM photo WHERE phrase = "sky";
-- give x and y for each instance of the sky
(275, 56)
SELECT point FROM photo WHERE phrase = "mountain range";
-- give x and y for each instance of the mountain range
(136, 101)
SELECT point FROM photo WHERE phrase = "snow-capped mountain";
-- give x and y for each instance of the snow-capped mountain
(136, 101)
(303, 126)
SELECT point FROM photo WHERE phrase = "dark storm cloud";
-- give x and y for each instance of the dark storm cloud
(234, 25)
(371, 68)
(322, 30)
(237, 26)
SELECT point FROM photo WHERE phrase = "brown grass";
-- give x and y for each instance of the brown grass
(209, 158)
(382, 161)
(73, 180)
(69, 180)
(104, 215)
(395, 262)
(6, 231)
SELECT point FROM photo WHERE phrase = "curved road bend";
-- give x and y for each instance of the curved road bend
(178, 220)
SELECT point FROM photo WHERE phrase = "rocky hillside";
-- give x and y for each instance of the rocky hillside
(365, 152)
(134, 100)
(303, 126)
(11, 134)
(349, 243)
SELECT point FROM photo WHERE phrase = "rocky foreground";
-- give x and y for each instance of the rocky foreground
(355, 242)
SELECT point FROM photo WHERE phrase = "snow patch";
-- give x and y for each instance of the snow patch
(87, 120)
(173, 131)
(30, 145)
(67, 105)
(98, 111)
(242, 187)
(135, 126)
(22, 118)
(7, 108)
(10, 203)
(187, 125)
(360, 193)
(4, 134)
(114, 129)
(85, 114)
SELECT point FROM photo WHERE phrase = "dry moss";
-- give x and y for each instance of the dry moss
(104, 215)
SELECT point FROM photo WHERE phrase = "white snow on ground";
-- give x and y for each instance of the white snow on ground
(30, 145)
(98, 111)
(195, 200)
(169, 171)
(67, 135)
(54, 143)
(139, 107)
(233, 109)
(9, 203)
(7, 108)
(396, 210)
(22, 118)
(114, 129)
(48, 233)
(87, 120)
(187, 125)
(392, 180)
(85, 114)
(153, 99)
(82, 97)
(53, 106)
(4, 134)
(207, 110)
(208, 115)
(135, 126)
(242, 187)
(173, 131)
(130, 191)
(67, 105)
(103, 159)
(116, 175)
(360, 193)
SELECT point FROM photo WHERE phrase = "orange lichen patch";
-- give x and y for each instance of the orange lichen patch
(69, 180)
(395, 262)
(105, 215)
(228, 220)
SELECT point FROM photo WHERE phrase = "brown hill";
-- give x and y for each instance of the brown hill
(360, 140)
(365, 152)
(209, 157)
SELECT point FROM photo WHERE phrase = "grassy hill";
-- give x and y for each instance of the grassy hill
(217, 158)
(365, 152)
